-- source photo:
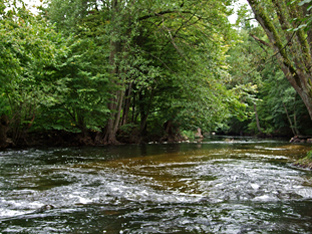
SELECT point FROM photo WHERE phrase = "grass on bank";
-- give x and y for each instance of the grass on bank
(305, 162)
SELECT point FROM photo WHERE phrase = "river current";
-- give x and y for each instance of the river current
(218, 186)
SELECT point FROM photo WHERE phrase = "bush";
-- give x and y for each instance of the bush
(309, 155)
(188, 134)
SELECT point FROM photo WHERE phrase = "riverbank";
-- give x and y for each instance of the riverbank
(305, 162)
(60, 138)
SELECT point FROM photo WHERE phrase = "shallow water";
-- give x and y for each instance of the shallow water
(240, 186)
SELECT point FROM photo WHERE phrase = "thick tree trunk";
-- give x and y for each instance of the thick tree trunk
(114, 121)
(115, 105)
(110, 132)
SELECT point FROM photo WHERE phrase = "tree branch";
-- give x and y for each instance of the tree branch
(163, 13)
(259, 40)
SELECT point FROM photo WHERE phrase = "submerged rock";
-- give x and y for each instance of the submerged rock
(44, 208)
(300, 139)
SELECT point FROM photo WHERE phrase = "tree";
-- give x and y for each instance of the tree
(279, 111)
(30, 48)
(164, 61)
(290, 41)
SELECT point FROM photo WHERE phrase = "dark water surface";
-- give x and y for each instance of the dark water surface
(241, 186)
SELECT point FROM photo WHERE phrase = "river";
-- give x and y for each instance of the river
(218, 186)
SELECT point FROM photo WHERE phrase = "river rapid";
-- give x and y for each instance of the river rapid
(218, 186)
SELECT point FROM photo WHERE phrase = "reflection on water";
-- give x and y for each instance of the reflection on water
(240, 186)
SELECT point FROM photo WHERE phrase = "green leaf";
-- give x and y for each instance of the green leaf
(304, 2)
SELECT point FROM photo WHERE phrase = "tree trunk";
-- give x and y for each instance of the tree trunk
(289, 120)
(127, 105)
(144, 112)
(120, 100)
(257, 119)
(295, 119)
(4, 125)
(115, 103)
(110, 132)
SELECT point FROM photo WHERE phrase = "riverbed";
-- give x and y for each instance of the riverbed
(238, 185)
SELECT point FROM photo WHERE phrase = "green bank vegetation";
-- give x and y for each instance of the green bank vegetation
(95, 72)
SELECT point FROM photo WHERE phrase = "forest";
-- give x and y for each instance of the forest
(96, 72)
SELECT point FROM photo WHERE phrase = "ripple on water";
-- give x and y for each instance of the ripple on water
(247, 180)
(215, 191)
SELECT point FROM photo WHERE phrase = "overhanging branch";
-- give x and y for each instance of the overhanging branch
(259, 40)
(163, 13)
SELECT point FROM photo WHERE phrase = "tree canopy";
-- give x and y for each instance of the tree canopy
(290, 38)
(138, 71)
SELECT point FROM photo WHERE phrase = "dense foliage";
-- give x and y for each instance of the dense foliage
(275, 108)
(291, 41)
(137, 71)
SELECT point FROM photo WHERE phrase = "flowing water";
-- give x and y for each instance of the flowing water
(240, 186)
